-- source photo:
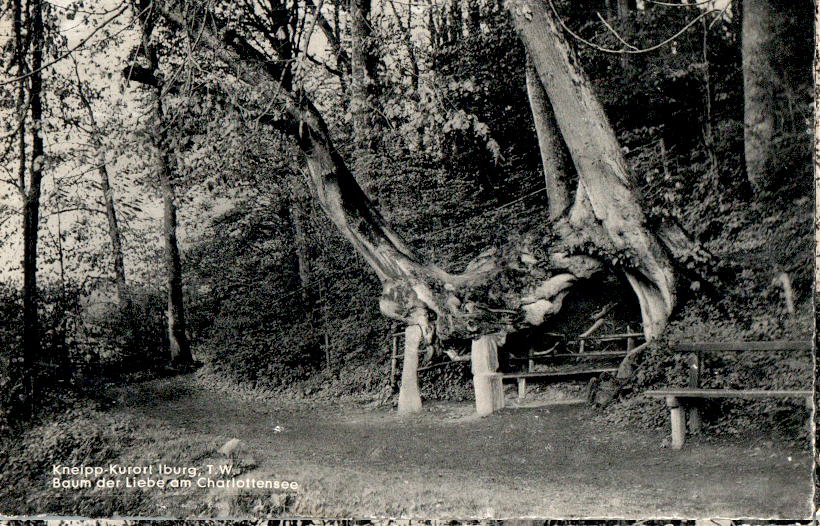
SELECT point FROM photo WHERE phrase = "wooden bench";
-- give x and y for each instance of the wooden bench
(552, 375)
(582, 354)
(680, 399)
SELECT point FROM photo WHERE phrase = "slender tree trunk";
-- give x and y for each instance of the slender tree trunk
(759, 89)
(177, 338)
(363, 81)
(178, 346)
(114, 235)
(297, 216)
(554, 156)
(332, 35)
(18, 398)
(31, 211)
(108, 198)
(625, 10)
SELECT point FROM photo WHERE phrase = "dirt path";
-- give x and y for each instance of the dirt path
(544, 462)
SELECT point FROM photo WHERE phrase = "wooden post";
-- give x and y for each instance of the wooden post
(522, 388)
(324, 327)
(678, 422)
(409, 395)
(630, 343)
(394, 351)
(489, 392)
(530, 358)
(694, 383)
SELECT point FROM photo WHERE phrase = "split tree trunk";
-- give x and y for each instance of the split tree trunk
(607, 193)
(605, 210)
(554, 156)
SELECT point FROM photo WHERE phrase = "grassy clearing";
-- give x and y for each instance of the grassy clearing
(353, 460)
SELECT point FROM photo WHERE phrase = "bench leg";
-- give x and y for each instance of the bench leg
(522, 388)
(694, 420)
(678, 422)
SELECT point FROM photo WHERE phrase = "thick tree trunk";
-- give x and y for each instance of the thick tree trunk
(776, 63)
(554, 156)
(606, 194)
(489, 392)
(409, 394)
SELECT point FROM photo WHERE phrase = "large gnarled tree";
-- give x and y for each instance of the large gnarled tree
(505, 288)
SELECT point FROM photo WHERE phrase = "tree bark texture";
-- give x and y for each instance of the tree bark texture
(363, 76)
(775, 33)
(489, 392)
(178, 345)
(409, 394)
(114, 235)
(31, 208)
(554, 156)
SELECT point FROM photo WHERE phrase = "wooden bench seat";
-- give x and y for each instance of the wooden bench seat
(602, 354)
(677, 398)
(727, 393)
(780, 345)
(552, 375)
